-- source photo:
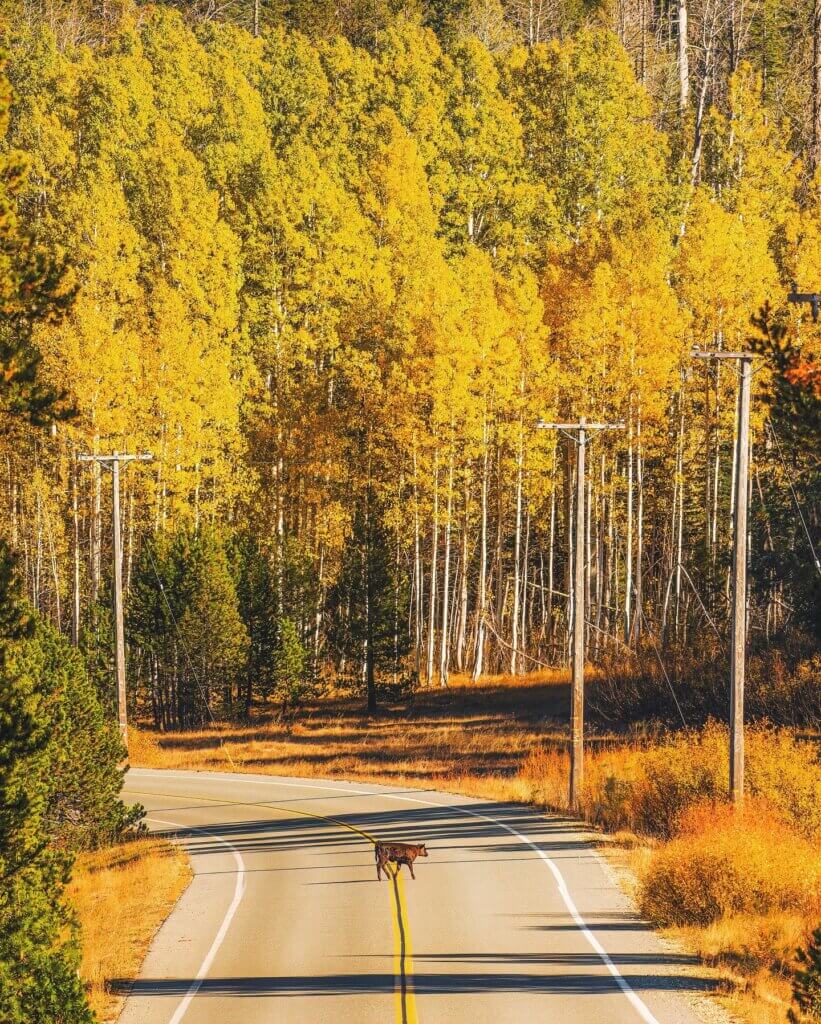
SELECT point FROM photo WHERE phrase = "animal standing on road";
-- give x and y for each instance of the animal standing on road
(399, 853)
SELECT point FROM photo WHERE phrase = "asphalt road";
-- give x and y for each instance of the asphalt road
(513, 917)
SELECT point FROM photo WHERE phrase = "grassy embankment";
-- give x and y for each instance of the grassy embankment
(122, 894)
(741, 891)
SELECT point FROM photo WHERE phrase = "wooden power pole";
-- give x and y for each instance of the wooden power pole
(738, 637)
(577, 687)
(112, 462)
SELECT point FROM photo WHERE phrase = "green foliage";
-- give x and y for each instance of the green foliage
(184, 619)
(289, 667)
(257, 596)
(370, 603)
(59, 792)
(806, 984)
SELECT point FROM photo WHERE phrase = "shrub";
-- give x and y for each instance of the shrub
(725, 862)
(646, 786)
(807, 982)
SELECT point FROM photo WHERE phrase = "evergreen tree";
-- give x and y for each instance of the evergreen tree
(39, 952)
(807, 982)
(370, 603)
(289, 667)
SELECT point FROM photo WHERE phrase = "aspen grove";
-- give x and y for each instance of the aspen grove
(331, 274)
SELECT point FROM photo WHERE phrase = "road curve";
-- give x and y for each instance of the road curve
(514, 917)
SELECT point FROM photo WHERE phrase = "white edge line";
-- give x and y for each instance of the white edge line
(219, 938)
(640, 1007)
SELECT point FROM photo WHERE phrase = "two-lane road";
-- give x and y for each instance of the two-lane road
(512, 918)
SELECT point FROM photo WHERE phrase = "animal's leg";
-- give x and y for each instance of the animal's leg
(410, 865)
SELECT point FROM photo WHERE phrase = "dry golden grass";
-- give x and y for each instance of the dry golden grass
(505, 739)
(122, 894)
(471, 735)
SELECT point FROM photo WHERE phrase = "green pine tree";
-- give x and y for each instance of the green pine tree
(807, 982)
(289, 664)
(39, 951)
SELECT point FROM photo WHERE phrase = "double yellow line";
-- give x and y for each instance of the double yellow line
(405, 1000)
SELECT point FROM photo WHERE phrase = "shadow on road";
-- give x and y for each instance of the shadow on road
(423, 984)
(447, 827)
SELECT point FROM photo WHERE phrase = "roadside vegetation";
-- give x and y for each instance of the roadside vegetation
(743, 891)
(121, 894)
(330, 266)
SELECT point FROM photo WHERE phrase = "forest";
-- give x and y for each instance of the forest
(330, 264)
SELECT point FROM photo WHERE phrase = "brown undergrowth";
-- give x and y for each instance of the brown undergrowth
(121, 895)
(739, 901)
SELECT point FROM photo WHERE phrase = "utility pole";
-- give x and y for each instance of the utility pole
(577, 686)
(112, 462)
(738, 636)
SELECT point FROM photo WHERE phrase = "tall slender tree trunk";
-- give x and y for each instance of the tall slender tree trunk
(683, 59)
(523, 631)
(481, 589)
(418, 576)
(75, 515)
(461, 636)
(628, 558)
(639, 535)
(550, 557)
(444, 644)
(816, 86)
(434, 558)
(97, 534)
(514, 623)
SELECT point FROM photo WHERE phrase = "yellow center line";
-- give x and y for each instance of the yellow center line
(402, 948)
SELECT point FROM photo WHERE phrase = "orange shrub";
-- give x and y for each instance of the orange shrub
(646, 786)
(726, 862)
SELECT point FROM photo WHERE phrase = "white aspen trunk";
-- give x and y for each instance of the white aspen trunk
(542, 601)
(550, 557)
(571, 554)
(514, 624)
(434, 557)
(680, 538)
(608, 568)
(320, 603)
(716, 473)
(481, 590)
(197, 497)
(599, 560)
(498, 561)
(418, 581)
(75, 515)
(129, 562)
(815, 146)
(523, 632)
(444, 644)
(639, 534)
(55, 572)
(734, 469)
(38, 561)
(96, 525)
(683, 58)
(588, 561)
(628, 558)
(463, 591)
